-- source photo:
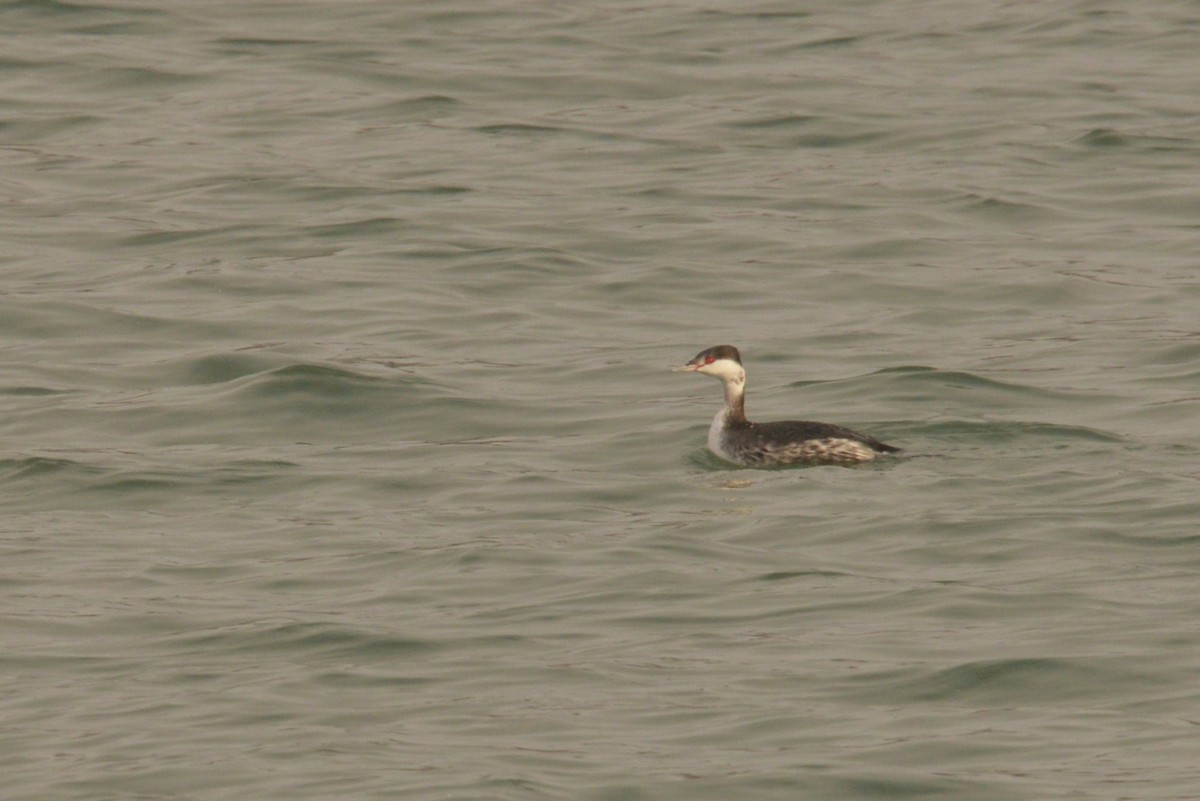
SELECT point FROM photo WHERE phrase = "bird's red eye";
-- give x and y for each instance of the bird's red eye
(709, 360)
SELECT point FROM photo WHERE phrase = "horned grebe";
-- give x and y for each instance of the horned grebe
(735, 439)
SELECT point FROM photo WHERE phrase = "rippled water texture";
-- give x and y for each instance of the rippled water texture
(339, 451)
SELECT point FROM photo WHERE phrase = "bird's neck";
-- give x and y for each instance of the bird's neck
(735, 399)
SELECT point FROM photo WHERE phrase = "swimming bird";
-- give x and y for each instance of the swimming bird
(735, 439)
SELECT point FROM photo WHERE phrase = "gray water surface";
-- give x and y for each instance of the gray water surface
(339, 451)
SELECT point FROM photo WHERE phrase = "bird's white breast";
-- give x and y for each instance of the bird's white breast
(716, 436)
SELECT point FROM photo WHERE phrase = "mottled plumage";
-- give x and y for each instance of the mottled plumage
(737, 440)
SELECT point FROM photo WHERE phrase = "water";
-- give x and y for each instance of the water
(340, 457)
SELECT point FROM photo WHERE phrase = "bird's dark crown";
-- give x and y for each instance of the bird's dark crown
(719, 352)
